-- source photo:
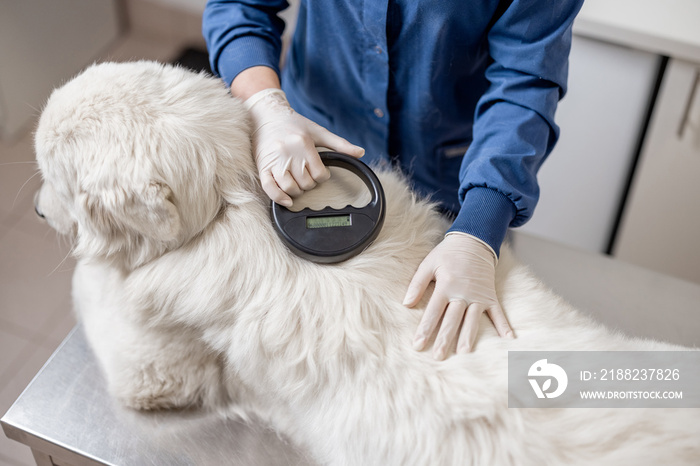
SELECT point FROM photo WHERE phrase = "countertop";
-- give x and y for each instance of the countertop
(664, 27)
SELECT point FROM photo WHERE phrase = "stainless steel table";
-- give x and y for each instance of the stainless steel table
(66, 416)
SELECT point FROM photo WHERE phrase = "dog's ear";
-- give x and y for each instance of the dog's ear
(140, 223)
(152, 213)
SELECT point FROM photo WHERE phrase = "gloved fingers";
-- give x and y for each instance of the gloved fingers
(312, 163)
(302, 176)
(323, 137)
(431, 317)
(498, 317)
(307, 167)
(286, 181)
(470, 328)
(419, 283)
(449, 328)
(273, 191)
(316, 169)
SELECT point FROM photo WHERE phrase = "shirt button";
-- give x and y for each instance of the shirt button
(378, 49)
(378, 112)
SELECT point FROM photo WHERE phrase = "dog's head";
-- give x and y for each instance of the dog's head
(138, 158)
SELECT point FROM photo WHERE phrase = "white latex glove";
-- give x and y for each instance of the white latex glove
(285, 144)
(463, 268)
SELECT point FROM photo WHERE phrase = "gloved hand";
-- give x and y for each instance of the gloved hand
(463, 268)
(285, 143)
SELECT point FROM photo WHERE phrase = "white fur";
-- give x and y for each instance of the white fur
(188, 297)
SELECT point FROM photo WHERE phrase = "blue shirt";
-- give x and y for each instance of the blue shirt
(461, 94)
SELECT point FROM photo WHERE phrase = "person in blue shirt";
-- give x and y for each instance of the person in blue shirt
(460, 94)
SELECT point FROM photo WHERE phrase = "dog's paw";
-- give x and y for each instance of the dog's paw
(155, 388)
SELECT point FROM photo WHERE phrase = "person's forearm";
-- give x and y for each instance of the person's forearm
(252, 80)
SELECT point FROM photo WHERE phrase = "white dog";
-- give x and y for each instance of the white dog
(188, 297)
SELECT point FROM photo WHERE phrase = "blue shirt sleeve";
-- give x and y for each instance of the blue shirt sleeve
(514, 128)
(242, 34)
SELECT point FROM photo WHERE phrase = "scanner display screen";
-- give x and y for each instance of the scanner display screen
(329, 221)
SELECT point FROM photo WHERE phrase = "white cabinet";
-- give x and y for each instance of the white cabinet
(42, 44)
(601, 118)
(661, 225)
